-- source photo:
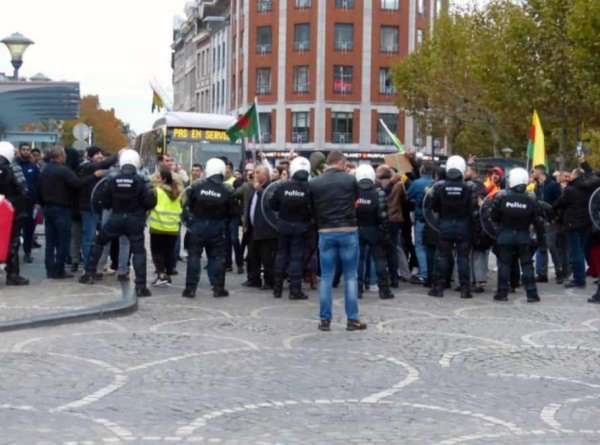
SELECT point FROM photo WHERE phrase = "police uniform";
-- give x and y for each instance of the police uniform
(373, 230)
(15, 192)
(207, 207)
(130, 196)
(455, 201)
(516, 211)
(292, 201)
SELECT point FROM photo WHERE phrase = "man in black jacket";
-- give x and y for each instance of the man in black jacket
(573, 204)
(58, 184)
(15, 192)
(333, 196)
(89, 220)
(263, 238)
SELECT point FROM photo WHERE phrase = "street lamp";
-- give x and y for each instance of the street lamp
(17, 44)
(507, 152)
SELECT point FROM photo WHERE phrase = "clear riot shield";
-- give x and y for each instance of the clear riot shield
(431, 218)
(594, 208)
(271, 216)
(489, 226)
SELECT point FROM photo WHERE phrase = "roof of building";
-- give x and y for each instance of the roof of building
(195, 120)
(23, 102)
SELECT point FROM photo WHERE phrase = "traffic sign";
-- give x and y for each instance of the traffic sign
(81, 131)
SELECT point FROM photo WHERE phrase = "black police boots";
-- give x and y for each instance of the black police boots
(188, 293)
(220, 292)
(436, 291)
(465, 294)
(385, 293)
(16, 280)
(297, 294)
(500, 297)
(277, 287)
(533, 298)
(142, 291)
(595, 298)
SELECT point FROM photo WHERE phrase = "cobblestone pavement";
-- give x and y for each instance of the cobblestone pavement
(250, 369)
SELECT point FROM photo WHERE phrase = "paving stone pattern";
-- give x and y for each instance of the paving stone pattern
(250, 369)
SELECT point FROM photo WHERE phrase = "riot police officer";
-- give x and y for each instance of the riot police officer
(130, 196)
(455, 202)
(516, 211)
(292, 201)
(373, 230)
(15, 192)
(207, 206)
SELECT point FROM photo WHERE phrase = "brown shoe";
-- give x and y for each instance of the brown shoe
(356, 325)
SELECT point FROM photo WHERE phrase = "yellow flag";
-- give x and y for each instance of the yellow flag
(536, 149)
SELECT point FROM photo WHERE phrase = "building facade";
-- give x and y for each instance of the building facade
(320, 70)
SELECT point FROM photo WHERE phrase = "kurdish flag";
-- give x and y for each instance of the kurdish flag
(246, 126)
(157, 102)
(536, 149)
(399, 145)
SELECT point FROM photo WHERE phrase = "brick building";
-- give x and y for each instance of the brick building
(320, 69)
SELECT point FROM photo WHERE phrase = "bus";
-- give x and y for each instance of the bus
(191, 138)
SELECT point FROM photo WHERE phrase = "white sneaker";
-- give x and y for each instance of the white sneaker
(160, 282)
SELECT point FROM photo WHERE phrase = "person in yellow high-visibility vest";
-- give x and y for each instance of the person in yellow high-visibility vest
(165, 222)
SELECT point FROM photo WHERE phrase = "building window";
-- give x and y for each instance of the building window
(386, 84)
(389, 37)
(420, 37)
(224, 56)
(344, 4)
(223, 92)
(439, 5)
(300, 127)
(301, 79)
(264, 39)
(302, 36)
(391, 120)
(264, 5)
(344, 36)
(341, 125)
(421, 7)
(418, 140)
(264, 120)
(390, 5)
(302, 4)
(342, 79)
(263, 81)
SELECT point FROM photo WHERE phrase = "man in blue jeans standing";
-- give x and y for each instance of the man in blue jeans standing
(333, 196)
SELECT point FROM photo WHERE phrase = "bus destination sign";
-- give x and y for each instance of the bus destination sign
(197, 134)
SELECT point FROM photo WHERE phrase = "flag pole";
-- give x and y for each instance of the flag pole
(259, 137)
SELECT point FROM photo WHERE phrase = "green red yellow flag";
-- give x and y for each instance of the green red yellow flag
(536, 149)
(157, 102)
(399, 145)
(246, 126)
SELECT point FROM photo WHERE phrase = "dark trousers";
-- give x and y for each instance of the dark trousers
(391, 252)
(12, 262)
(261, 256)
(123, 224)
(233, 245)
(58, 239)
(290, 252)
(506, 255)
(409, 247)
(368, 247)
(444, 262)
(28, 229)
(430, 264)
(162, 247)
(209, 235)
(578, 244)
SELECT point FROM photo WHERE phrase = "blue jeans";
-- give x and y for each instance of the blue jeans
(343, 246)
(577, 251)
(58, 239)
(89, 222)
(421, 249)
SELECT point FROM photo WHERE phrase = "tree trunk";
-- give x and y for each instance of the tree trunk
(564, 136)
(495, 139)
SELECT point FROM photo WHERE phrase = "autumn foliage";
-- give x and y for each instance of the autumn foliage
(108, 129)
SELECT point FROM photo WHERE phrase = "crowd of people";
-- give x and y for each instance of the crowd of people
(310, 222)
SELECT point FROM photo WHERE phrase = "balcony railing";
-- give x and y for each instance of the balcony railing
(342, 137)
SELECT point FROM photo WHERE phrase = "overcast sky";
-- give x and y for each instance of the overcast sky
(113, 47)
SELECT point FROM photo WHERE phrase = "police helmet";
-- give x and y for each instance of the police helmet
(215, 166)
(518, 176)
(7, 150)
(456, 163)
(298, 165)
(130, 157)
(365, 172)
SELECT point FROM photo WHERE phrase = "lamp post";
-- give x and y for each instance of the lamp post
(17, 44)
